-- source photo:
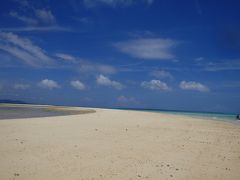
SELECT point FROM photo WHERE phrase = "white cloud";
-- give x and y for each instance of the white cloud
(23, 3)
(192, 85)
(199, 59)
(223, 66)
(38, 29)
(48, 84)
(161, 74)
(148, 48)
(89, 67)
(31, 15)
(85, 20)
(23, 49)
(105, 69)
(25, 19)
(66, 57)
(36, 19)
(45, 16)
(78, 85)
(115, 3)
(21, 86)
(155, 85)
(123, 100)
(230, 84)
(105, 81)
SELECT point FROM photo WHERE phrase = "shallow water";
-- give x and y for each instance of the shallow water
(207, 115)
(202, 115)
(13, 112)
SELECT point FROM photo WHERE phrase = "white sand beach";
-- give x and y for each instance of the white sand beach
(119, 144)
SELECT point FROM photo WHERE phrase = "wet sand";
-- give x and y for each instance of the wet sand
(119, 144)
(13, 111)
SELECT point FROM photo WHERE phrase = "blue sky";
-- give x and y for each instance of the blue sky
(122, 53)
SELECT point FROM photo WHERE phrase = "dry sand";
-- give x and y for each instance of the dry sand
(115, 144)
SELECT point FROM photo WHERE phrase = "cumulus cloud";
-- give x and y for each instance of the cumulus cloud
(78, 85)
(115, 3)
(21, 86)
(155, 85)
(161, 74)
(24, 49)
(148, 48)
(105, 81)
(48, 84)
(192, 85)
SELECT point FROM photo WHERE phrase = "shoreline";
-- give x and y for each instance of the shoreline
(119, 144)
(182, 113)
(17, 111)
(74, 110)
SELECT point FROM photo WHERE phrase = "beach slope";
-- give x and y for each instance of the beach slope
(119, 144)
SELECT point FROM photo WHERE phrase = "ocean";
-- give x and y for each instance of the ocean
(203, 115)
(13, 112)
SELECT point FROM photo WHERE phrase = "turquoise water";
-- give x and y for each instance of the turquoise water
(204, 115)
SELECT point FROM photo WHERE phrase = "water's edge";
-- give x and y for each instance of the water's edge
(30, 111)
(200, 115)
(26, 111)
